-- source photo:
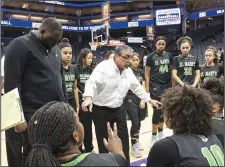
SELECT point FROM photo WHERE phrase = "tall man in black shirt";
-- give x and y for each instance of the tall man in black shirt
(33, 65)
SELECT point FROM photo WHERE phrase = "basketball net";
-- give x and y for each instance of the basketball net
(94, 45)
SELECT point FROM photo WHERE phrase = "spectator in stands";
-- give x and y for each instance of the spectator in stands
(186, 70)
(109, 55)
(57, 142)
(106, 89)
(69, 73)
(188, 112)
(83, 69)
(216, 88)
(33, 65)
(212, 67)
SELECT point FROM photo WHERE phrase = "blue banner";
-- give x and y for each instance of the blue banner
(25, 24)
(209, 13)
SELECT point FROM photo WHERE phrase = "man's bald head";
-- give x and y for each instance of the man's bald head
(50, 24)
(50, 32)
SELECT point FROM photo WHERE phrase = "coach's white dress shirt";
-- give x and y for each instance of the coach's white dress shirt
(108, 86)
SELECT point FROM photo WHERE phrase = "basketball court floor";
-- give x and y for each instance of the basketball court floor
(145, 139)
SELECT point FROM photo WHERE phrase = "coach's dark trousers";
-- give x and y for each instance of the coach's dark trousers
(13, 147)
(25, 141)
(102, 115)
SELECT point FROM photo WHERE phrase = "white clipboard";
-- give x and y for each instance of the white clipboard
(11, 110)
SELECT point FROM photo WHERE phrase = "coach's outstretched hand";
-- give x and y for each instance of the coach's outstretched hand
(114, 144)
(87, 104)
(155, 103)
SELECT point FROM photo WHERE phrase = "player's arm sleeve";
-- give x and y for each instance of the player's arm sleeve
(14, 67)
(93, 82)
(64, 84)
(171, 59)
(221, 69)
(175, 63)
(137, 88)
(149, 61)
(163, 153)
(197, 66)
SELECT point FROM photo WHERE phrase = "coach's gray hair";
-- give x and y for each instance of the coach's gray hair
(119, 49)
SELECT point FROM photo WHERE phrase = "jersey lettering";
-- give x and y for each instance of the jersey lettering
(214, 156)
(187, 70)
(166, 61)
(84, 77)
(210, 73)
(190, 64)
(163, 68)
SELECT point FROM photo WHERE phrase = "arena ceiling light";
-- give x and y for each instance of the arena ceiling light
(146, 16)
(36, 18)
(121, 18)
(25, 6)
(62, 20)
(19, 17)
(96, 21)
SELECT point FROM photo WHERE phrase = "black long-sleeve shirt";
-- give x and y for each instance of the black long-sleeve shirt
(35, 71)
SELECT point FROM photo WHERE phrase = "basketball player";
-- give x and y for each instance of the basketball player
(69, 73)
(33, 65)
(186, 70)
(158, 79)
(188, 112)
(57, 142)
(84, 71)
(216, 88)
(212, 67)
(135, 108)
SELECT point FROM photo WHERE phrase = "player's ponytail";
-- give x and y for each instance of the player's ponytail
(49, 132)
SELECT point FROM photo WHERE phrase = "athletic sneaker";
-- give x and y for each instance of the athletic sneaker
(139, 146)
(154, 139)
(135, 151)
(160, 135)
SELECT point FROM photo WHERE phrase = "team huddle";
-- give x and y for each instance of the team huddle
(185, 96)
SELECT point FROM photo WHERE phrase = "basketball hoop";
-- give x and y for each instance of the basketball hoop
(94, 45)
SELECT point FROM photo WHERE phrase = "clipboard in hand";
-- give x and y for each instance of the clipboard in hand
(11, 110)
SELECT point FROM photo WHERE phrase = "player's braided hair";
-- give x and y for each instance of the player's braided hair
(184, 40)
(188, 109)
(214, 50)
(83, 53)
(216, 88)
(49, 131)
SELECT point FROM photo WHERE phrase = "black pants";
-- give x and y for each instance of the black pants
(135, 114)
(102, 115)
(26, 147)
(13, 147)
(157, 116)
(28, 113)
(86, 120)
